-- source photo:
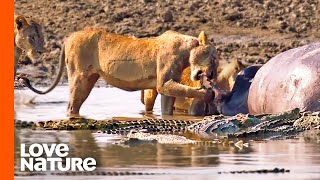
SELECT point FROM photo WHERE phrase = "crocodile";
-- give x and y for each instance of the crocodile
(133, 173)
(109, 126)
(260, 171)
(247, 126)
(87, 173)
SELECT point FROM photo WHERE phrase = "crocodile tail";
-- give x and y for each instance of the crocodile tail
(25, 81)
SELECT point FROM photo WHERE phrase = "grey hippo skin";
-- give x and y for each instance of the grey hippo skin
(289, 80)
(233, 102)
(236, 101)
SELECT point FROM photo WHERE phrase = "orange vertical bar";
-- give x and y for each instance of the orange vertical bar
(6, 86)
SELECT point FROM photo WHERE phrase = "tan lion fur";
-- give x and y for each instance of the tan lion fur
(28, 37)
(227, 72)
(135, 64)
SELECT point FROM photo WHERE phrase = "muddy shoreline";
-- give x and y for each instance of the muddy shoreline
(250, 31)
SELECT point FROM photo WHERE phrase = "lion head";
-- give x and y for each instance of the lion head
(203, 59)
(29, 37)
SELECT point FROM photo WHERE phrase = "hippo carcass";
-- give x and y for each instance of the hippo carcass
(236, 101)
(289, 80)
(233, 102)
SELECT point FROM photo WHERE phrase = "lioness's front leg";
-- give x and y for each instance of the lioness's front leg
(175, 89)
(167, 84)
(167, 104)
(172, 89)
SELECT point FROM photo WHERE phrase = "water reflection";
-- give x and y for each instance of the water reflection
(300, 155)
(83, 144)
(304, 150)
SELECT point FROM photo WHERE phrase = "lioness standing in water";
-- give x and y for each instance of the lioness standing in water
(136, 64)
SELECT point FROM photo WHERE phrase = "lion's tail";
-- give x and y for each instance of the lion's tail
(27, 83)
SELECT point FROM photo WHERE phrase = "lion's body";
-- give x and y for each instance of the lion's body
(133, 64)
(27, 37)
(227, 73)
(117, 59)
(225, 80)
(136, 64)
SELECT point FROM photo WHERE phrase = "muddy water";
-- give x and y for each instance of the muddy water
(300, 155)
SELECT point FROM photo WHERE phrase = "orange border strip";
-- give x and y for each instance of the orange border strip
(6, 94)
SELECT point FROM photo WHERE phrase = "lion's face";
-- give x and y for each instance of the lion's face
(29, 37)
(203, 60)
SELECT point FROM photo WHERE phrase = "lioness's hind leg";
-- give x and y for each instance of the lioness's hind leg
(80, 88)
(149, 99)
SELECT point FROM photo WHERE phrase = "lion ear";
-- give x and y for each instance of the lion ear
(21, 22)
(202, 38)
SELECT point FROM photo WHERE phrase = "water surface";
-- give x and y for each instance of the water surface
(300, 155)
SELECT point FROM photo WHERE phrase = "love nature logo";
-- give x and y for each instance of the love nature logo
(33, 159)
